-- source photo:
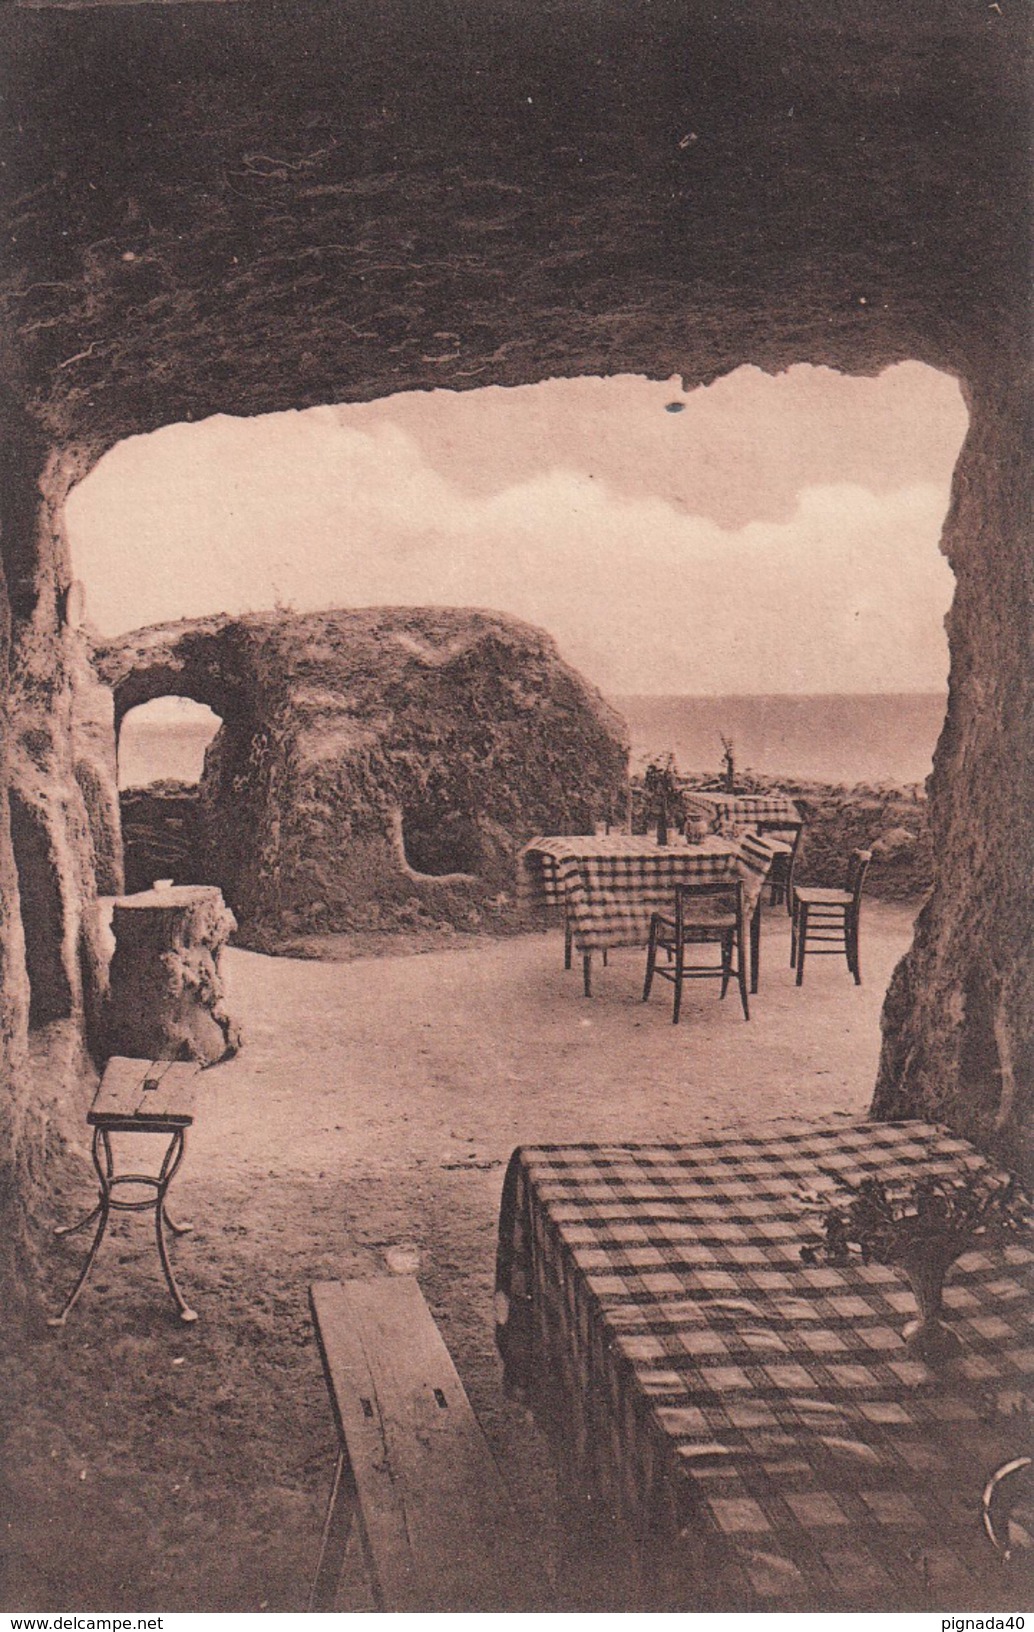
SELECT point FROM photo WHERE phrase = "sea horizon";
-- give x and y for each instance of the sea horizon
(841, 737)
(845, 737)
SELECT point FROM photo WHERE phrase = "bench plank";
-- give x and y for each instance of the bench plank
(123, 1091)
(438, 1528)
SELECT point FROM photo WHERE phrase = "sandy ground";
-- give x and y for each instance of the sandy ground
(153, 1466)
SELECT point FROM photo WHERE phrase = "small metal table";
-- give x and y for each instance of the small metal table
(137, 1096)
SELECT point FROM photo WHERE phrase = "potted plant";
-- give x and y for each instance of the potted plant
(728, 764)
(921, 1226)
(662, 795)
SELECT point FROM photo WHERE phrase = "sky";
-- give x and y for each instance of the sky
(762, 534)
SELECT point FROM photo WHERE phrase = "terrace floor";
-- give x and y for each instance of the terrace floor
(366, 1123)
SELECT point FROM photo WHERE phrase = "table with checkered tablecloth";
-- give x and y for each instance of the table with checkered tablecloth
(746, 807)
(609, 886)
(749, 1426)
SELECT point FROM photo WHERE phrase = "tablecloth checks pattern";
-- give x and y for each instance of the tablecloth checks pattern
(751, 1426)
(747, 807)
(609, 886)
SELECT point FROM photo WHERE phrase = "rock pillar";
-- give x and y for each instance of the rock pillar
(959, 1017)
(167, 998)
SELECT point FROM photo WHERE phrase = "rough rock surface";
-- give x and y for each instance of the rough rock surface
(377, 766)
(167, 1000)
(241, 208)
(246, 208)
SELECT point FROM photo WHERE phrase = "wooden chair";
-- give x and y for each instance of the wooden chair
(825, 922)
(780, 874)
(709, 913)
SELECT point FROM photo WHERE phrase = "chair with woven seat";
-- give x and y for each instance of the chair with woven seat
(705, 914)
(825, 922)
(780, 874)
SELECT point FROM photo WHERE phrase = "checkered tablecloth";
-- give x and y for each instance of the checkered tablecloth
(750, 1427)
(748, 807)
(609, 886)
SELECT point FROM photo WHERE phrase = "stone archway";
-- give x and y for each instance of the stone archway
(161, 748)
(165, 739)
(376, 763)
(255, 207)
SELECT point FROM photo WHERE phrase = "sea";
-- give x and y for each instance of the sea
(888, 737)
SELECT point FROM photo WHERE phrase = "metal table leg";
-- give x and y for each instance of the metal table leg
(106, 1176)
(170, 1164)
(108, 1202)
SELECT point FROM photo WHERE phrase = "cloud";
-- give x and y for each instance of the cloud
(845, 592)
(739, 450)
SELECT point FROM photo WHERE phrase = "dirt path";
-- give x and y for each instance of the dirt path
(153, 1466)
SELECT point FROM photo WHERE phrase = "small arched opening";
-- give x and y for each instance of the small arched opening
(440, 843)
(162, 746)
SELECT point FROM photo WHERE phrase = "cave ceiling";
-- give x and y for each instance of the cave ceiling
(248, 207)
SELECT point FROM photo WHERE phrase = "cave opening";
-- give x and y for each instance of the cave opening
(756, 559)
(438, 843)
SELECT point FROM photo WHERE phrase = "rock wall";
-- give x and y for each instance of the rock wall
(379, 763)
(251, 207)
(959, 1018)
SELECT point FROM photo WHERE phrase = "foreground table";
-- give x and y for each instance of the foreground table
(750, 1427)
(608, 886)
(152, 1097)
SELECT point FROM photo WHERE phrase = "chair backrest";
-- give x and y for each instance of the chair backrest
(700, 904)
(857, 868)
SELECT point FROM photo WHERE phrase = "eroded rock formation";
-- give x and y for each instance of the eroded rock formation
(377, 762)
(167, 999)
(245, 208)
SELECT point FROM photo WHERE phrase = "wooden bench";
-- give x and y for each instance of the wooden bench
(438, 1530)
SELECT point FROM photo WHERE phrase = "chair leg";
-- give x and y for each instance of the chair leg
(726, 944)
(793, 935)
(755, 946)
(854, 963)
(802, 937)
(651, 960)
(680, 954)
(741, 969)
(568, 943)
